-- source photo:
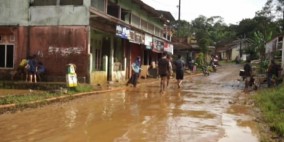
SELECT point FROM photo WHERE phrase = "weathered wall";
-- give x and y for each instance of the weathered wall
(63, 15)
(59, 45)
(19, 12)
(14, 12)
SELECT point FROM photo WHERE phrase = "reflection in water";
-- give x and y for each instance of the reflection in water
(236, 132)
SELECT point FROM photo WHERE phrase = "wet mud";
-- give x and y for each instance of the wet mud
(205, 108)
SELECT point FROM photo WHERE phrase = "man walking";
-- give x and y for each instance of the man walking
(179, 64)
(163, 69)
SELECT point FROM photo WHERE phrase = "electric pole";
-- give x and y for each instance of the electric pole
(179, 10)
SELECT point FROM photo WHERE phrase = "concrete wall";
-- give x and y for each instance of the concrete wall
(59, 15)
(235, 52)
(19, 12)
(14, 12)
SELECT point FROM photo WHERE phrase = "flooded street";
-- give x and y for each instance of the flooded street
(205, 109)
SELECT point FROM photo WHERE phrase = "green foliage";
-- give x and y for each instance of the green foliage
(270, 102)
(257, 43)
(182, 29)
(263, 66)
(32, 97)
(200, 60)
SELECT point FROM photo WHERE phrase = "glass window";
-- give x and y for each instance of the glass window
(99, 4)
(6, 56)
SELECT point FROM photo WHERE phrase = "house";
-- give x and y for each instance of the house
(274, 48)
(232, 50)
(101, 37)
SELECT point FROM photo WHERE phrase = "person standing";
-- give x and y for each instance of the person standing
(163, 70)
(170, 69)
(32, 63)
(136, 67)
(248, 74)
(179, 64)
(272, 71)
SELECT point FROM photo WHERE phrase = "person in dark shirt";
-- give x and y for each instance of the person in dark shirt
(272, 71)
(164, 70)
(248, 74)
(179, 66)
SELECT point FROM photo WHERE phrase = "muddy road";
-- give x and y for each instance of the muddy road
(205, 109)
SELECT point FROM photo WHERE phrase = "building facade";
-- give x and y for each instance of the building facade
(101, 37)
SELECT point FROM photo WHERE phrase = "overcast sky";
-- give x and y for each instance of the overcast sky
(232, 11)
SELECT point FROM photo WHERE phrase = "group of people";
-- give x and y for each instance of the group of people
(165, 71)
(31, 68)
(272, 71)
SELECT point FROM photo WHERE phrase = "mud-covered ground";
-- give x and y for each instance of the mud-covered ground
(210, 108)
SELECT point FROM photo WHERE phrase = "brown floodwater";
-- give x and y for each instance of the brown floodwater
(201, 111)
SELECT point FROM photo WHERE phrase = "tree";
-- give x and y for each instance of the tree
(182, 29)
(257, 44)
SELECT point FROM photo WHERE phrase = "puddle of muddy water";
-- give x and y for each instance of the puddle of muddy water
(238, 130)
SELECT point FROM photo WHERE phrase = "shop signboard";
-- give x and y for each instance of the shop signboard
(136, 37)
(122, 32)
(158, 45)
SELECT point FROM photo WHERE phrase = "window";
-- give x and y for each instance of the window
(151, 28)
(144, 25)
(99, 4)
(6, 56)
(125, 15)
(135, 21)
(113, 10)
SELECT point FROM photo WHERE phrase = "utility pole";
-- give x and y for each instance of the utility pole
(179, 10)
(241, 44)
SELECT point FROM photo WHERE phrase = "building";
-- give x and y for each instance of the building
(101, 37)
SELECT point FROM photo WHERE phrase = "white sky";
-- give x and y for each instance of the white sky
(232, 11)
